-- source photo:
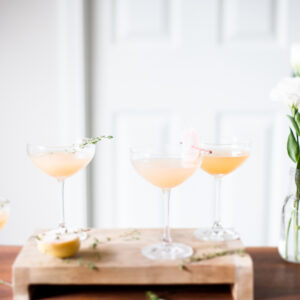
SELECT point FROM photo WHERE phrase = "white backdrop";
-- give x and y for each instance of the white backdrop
(42, 99)
(139, 70)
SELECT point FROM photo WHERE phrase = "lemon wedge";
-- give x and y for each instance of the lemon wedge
(61, 246)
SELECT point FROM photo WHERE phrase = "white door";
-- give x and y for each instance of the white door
(157, 64)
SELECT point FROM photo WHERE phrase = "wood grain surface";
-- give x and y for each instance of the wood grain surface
(274, 279)
(120, 262)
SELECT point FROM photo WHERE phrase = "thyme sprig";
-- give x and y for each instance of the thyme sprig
(130, 235)
(95, 243)
(206, 256)
(89, 264)
(81, 263)
(94, 140)
(3, 203)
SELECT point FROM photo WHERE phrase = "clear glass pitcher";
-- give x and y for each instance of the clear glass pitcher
(289, 244)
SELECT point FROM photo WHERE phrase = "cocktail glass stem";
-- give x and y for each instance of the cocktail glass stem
(62, 196)
(218, 184)
(166, 199)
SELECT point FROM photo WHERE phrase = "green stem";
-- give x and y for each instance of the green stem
(296, 228)
(287, 237)
(296, 212)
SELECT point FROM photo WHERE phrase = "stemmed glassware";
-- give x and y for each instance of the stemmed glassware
(4, 211)
(61, 162)
(165, 166)
(220, 161)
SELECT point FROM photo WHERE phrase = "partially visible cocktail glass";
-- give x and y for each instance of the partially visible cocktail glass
(4, 211)
(223, 159)
(61, 162)
(165, 167)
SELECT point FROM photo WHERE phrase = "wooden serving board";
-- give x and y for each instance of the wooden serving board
(117, 260)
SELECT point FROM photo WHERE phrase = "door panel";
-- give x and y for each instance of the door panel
(157, 65)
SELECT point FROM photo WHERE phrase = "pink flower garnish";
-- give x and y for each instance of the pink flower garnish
(191, 145)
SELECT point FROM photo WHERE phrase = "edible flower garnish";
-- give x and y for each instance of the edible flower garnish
(191, 146)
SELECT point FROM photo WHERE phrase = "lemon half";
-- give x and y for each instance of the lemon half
(62, 246)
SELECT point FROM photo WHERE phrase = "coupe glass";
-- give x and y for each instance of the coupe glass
(165, 167)
(223, 159)
(4, 211)
(61, 162)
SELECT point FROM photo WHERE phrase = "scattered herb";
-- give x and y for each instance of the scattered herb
(81, 230)
(108, 238)
(97, 255)
(95, 243)
(91, 265)
(131, 235)
(192, 259)
(66, 260)
(79, 262)
(4, 203)
(37, 237)
(182, 267)
(3, 282)
(152, 296)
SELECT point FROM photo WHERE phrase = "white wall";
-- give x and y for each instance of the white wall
(37, 104)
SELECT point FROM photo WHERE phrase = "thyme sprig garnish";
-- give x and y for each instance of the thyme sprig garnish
(152, 296)
(3, 203)
(207, 256)
(94, 140)
(37, 237)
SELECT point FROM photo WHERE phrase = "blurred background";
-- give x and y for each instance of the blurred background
(141, 70)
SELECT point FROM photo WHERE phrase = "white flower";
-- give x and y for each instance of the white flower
(288, 91)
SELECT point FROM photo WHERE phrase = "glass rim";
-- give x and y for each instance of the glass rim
(227, 143)
(59, 147)
(140, 148)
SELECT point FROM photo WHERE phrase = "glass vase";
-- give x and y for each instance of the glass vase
(289, 244)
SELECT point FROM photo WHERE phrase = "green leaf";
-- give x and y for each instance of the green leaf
(152, 296)
(92, 266)
(293, 147)
(294, 110)
(297, 119)
(294, 123)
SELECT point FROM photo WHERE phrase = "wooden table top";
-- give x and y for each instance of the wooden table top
(274, 279)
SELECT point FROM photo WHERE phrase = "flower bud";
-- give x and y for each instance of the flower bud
(295, 58)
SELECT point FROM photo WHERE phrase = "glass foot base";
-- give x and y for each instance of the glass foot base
(216, 234)
(167, 251)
